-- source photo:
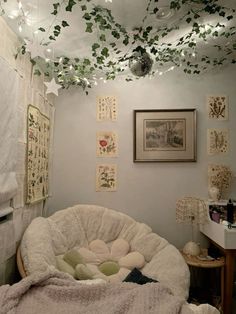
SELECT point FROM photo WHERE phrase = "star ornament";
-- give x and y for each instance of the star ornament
(52, 87)
(35, 49)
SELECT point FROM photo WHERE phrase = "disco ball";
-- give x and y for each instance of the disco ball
(140, 64)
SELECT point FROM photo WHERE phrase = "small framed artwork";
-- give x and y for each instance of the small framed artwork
(217, 107)
(106, 178)
(165, 135)
(106, 108)
(217, 141)
(107, 144)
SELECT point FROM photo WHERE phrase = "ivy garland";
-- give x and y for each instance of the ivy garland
(115, 45)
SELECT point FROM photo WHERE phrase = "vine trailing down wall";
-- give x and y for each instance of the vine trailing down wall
(199, 38)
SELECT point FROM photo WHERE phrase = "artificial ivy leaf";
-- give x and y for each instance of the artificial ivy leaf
(95, 46)
(154, 50)
(126, 41)
(56, 5)
(102, 37)
(37, 72)
(230, 17)
(115, 34)
(56, 33)
(87, 17)
(105, 52)
(148, 29)
(87, 62)
(64, 24)
(188, 20)
(52, 37)
(70, 5)
(57, 27)
(41, 29)
(89, 28)
(100, 60)
(83, 7)
(155, 10)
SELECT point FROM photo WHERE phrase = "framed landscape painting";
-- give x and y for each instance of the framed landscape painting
(165, 135)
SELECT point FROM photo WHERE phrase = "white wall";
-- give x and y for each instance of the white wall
(31, 90)
(146, 191)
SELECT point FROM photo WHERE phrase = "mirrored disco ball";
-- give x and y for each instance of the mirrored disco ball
(140, 64)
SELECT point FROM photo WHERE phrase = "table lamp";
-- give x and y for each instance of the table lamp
(193, 211)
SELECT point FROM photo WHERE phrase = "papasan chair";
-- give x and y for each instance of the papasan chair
(110, 244)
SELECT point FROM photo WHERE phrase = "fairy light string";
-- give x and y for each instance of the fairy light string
(114, 44)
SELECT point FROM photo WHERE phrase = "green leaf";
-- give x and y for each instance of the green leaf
(64, 24)
(89, 28)
(86, 16)
(115, 34)
(70, 5)
(57, 27)
(41, 29)
(37, 72)
(95, 46)
(87, 62)
(126, 41)
(102, 37)
(105, 52)
(83, 7)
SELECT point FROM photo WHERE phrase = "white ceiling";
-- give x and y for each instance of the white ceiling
(74, 41)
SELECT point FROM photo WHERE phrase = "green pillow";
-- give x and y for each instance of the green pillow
(65, 267)
(109, 268)
(73, 258)
(82, 272)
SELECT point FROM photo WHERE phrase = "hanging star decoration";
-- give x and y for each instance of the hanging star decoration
(35, 49)
(52, 87)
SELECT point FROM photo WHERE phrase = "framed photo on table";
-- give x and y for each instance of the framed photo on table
(165, 135)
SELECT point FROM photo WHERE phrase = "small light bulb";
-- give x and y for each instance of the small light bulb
(160, 73)
(71, 67)
(19, 5)
(47, 60)
(36, 32)
(20, 28)
(194, 54)
(95, 83)
(60, 60)
(49, 50)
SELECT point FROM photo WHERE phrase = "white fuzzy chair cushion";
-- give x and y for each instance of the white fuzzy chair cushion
(78, 226)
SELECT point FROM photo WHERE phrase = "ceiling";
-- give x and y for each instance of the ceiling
(74, 41)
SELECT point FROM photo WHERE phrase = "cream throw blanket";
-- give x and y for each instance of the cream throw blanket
(57, 293)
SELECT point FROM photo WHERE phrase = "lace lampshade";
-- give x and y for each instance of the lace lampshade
(193, 211)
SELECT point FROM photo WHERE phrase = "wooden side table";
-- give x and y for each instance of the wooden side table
(218, 263)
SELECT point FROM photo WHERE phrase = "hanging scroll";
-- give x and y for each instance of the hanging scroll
(38, 133)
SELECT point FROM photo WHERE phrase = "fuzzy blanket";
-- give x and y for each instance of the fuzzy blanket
(58, 293)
